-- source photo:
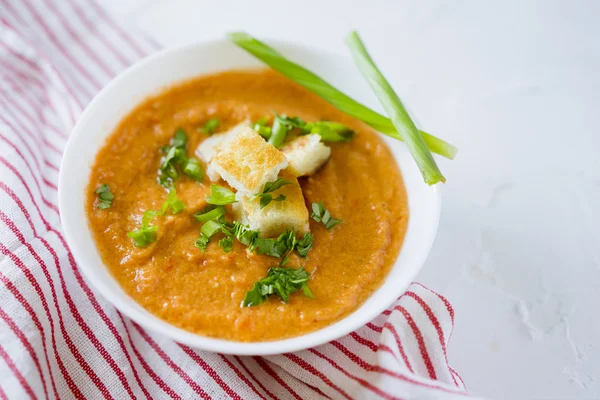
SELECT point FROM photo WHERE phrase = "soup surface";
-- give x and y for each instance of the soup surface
(202, 291)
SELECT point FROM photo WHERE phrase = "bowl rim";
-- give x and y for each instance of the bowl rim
(353, 321)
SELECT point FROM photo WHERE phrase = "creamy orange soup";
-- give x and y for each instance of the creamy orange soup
(202, 291)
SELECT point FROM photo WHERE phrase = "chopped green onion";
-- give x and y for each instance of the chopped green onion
(279, 132)
(331, 131)
(261, 127)
(220, 196)
(210, 228)
(320, 214)
(329, 93)
(211, 125)
(144, 236)
(180, 139)
(395, 109)
(202, 242)
(209, 213)
(193, 169)
(105, 196)
(174, 204)
(226, 244)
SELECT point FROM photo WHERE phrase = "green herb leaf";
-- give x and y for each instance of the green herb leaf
(180, 139)
(281, 197)
(193, 169)
(175, 155)
(280, 281)
(266, 197)
(105, 196)
(148, 216)
(291, 122)
(144, 236)
(220, 195)
(305, 244)
(395, 109)
(270, 247)
(209, 212)
(226, 244)
(320, 214)
(244, 234)
(329, 93)
(277, 184)
(211, 125)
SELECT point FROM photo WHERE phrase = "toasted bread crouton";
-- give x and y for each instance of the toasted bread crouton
(246, 162)
(208, 148)
(277, 216)
(306, 154)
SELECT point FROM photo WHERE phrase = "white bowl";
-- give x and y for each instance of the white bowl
(169, 67)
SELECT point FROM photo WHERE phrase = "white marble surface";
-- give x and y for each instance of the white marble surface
(516, 86)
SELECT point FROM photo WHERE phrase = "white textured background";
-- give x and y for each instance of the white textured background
(516, 86)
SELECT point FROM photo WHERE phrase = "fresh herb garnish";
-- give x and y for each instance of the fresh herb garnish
(220, 196)
(261, 127)
(312, 82)
(105, 196)
(211, 125)
(266, 197)
(209, 212)
(244, 234)
(305, 244)
(202, 242)
(320, 214)
(146, 234)
(175, 157)
(280, 281)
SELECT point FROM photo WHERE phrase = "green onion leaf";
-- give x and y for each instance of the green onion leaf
(210, 228)
(144, 236)
(244, 234)
(193, 169)
(280, 281)
(395, 109)
(220, 196)
(211, 125)
(279, 133)
(105, 196)
(209, 212)
(320, 214)
(277, 184)
(261, 127)
(331, 131)
(312, 82)
(226, 244)
(174, 204)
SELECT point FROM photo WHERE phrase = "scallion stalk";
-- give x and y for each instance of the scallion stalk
(312, 82)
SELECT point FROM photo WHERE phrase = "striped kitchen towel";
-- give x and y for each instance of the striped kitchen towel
(59, 339)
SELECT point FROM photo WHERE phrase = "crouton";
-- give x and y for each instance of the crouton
(277, 216)
(208, 148)
(247, 162)
(306, 154)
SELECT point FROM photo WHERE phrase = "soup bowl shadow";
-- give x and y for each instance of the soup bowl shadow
(168, 67)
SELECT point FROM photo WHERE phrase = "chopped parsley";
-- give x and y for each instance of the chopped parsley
(266, 197)
(105, 196)
(320, 214)
(175, 158)
(146, 234)
(280, 281)
(220, 196)
(211, 125)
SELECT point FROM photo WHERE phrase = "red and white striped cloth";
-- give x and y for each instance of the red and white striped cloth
(59, 339)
